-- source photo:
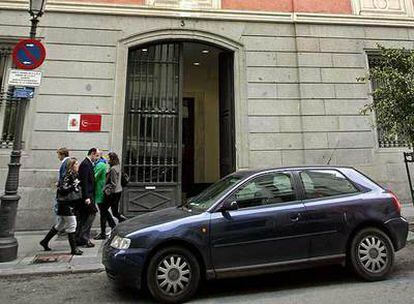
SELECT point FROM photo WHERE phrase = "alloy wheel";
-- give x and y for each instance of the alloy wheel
(372, 253)
(173, 274)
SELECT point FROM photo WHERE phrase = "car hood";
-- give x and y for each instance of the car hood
(152, 219)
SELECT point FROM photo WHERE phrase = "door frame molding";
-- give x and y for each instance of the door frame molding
(180, 34)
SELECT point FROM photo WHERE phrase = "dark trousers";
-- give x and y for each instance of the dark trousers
(110, 201)
(114, 204)
(105, 216)
(85, 220)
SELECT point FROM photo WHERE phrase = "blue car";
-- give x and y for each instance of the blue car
(254, 222)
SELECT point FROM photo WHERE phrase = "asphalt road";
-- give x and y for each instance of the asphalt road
(315, 286)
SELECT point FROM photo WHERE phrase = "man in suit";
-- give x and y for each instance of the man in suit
(87, 210)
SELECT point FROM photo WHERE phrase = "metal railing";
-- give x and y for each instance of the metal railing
(385, 140)
(8, 104)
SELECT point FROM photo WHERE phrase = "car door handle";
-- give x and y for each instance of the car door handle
(295, 217)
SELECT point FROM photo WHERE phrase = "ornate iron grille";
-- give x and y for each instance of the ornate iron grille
(8, 105)
(385, 140)
(152, 124)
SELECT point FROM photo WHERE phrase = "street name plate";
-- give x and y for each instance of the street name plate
(24, 78)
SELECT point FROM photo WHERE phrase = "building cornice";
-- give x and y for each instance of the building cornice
(212, 14)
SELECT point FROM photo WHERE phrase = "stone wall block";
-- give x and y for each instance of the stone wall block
(344, 106)
(292, 158)
(72, 140)
(351, 140)
(356, 91)
(290, 124)
(87, 87)
(264, 124)
(273, 107)
(355, 123)
(265, 159)
(315, 140)
(74, 104)
(382, 32)
(100, 70)
(308, 44)
(337, 45)
(320, 123)
(317, 91)
(265, 43)
(272, 74)
(349, 60)
(81, 53)
(310, 75)
(262, 59)
(261, 90)
(275, 141)
(313, 106)
(315, 59)
(341, 75)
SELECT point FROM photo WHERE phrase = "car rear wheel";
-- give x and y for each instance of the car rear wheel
(173, 275)
(372, 254)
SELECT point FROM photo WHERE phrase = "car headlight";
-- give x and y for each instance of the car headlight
(120, 242)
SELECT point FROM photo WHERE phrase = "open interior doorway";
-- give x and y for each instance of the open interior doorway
(179, 122)
(201, 117)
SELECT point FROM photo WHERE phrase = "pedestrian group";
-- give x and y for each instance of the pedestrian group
(82, 189)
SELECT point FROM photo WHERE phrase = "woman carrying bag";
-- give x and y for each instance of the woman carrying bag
(69, 197)
(112, 195)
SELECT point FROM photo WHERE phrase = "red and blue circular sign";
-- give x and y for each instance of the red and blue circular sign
(29, 54)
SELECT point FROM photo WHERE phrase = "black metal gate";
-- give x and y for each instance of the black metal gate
(153, 124)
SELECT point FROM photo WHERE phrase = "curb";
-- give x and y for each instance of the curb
(25, 273)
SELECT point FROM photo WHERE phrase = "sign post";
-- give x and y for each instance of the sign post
(28, 54)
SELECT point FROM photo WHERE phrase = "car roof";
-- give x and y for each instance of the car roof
(248, 172)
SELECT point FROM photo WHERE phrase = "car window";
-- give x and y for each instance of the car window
(209, 196)
(265, 190)
(325, 183)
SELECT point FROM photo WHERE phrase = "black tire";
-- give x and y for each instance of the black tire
(372, 254)
(168, 289)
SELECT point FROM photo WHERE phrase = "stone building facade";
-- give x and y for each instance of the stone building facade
(293, 85)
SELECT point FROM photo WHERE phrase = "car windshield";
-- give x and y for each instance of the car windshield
(208, 197)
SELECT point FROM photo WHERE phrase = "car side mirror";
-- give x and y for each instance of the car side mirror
(229, 206)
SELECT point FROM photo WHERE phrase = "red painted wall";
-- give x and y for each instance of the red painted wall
(324, 6)
(258, 5)
(313, 6)
(309, 6)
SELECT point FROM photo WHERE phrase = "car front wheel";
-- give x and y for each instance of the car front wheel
(173, 275)
(372, 254)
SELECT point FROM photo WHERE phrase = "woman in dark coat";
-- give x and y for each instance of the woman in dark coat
(68, 198)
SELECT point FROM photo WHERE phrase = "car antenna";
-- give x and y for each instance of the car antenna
(333, 152)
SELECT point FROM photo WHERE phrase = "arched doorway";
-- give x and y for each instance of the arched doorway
(179, 133)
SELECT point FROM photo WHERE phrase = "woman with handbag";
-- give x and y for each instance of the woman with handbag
(112, 195)
(69, 196)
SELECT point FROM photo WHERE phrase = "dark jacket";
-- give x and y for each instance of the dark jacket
(87, 179)
(70, 183)
(62, 170)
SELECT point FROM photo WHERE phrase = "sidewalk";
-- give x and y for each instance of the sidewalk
(32, 260)
(60, 261)
(407, 211)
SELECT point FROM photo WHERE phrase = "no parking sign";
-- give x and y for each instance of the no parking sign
(29, 54)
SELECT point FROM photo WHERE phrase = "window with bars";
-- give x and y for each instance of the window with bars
(185, 3)
(385, 140)
(8, 105)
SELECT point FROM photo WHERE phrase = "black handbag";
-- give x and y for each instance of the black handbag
(124, 179)
(69, 197)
